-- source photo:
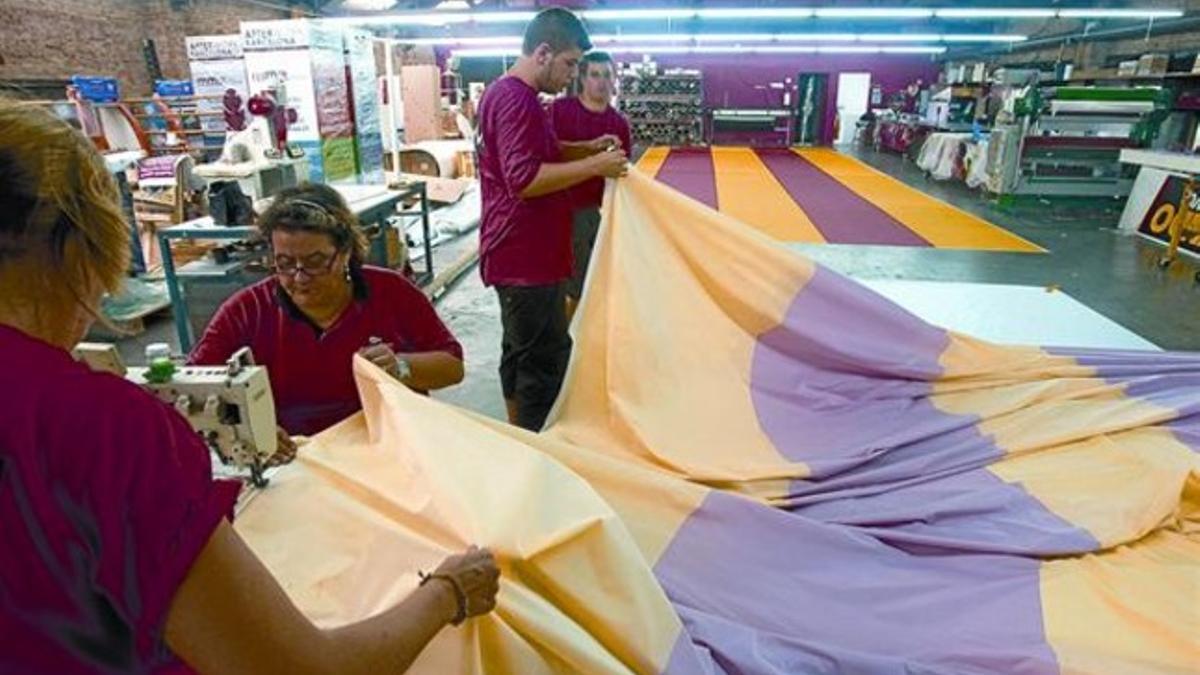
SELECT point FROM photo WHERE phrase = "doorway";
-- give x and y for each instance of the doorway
(853, 96)
(811, 91)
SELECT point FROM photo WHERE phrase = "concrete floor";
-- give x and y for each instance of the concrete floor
(1112, 273)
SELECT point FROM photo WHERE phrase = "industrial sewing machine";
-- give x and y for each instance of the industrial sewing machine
(230, 406)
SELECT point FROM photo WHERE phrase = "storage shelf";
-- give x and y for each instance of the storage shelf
(661, 98)
(184, 132)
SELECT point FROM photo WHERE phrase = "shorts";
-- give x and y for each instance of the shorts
(585, 223)
(535, 349)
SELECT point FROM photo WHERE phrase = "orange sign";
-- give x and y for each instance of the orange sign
(1157, 221)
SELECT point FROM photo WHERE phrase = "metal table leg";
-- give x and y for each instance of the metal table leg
(178, 304)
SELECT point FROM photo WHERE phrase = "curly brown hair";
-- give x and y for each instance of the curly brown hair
(313, 207)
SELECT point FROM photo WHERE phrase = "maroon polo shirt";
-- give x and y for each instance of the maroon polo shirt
(522, 242)
(573, 122)
(106, 500)
(311, 370)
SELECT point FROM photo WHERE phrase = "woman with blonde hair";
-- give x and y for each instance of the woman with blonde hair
(119, 555)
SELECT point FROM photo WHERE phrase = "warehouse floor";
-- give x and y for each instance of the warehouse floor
(1086, 258)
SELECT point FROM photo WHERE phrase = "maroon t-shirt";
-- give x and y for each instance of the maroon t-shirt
(522, 242)
(311, 372)
(106, 500)
(574, 122)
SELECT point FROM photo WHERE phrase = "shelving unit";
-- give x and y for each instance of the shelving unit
(179, 118)
(664, 108)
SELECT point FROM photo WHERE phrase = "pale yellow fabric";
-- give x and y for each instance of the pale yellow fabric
(665, 349)
(397, 489)
(1133, 611)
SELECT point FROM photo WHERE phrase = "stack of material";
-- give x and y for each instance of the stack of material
(664, 108)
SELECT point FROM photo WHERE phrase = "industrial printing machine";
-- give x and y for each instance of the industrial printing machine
(1065, 141)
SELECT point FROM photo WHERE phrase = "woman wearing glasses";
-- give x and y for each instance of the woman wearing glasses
(323, 306)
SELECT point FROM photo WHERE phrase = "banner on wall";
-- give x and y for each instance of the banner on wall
(268, 35)
(213, 47)
(1156, 223)
(270, 70)
(217, 66)
(306, 58)
(368, 138)
(332, 96)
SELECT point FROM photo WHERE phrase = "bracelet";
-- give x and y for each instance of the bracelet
(460, 597)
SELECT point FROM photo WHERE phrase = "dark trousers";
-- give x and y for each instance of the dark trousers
(535, 349)
(585, 224)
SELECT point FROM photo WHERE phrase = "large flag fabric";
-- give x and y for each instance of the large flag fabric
(758, 466)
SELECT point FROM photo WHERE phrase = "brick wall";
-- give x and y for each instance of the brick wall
(53, 39)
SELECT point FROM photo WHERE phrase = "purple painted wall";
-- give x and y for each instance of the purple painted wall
(731, 82)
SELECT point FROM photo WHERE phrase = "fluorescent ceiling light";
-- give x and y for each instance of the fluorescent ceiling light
(402, 20)
(772, 37)
(463, 41)
(873, 13)
(368, 5)
(636, 14)
(643, 37)
(1119, 13)
(708, 38)
(863, 13)
(933, 37)
(981, 37)
(756, 13)
(899, 37)
(1041, 13)
(723, 49)
(452, 6)
(877, 49)
(995, 13)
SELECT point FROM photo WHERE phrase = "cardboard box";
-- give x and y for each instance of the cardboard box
(1152, 64)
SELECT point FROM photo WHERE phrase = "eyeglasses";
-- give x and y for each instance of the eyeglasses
(315, 265)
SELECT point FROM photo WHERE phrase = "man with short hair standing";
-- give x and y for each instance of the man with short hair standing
(525, 235)
(586, 116)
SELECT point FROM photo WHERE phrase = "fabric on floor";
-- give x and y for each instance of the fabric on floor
(759, 466)
(821, 196)
(939, 223)
(691, 172)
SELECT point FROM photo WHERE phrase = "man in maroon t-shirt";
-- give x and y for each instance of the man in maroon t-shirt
(579, 118)
(525, 236)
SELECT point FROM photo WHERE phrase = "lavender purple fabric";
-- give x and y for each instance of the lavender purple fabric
(901, 553)
(842, 384)
(691, 172)
(1170, 380)
(840, 214)
(764, 591)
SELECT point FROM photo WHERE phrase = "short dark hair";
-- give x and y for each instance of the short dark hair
(597, 57)
(557, 27)
(315, 207)
(588, 59)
